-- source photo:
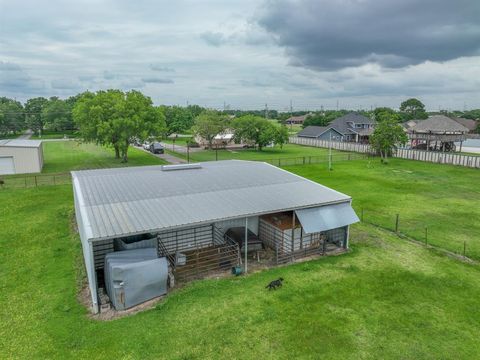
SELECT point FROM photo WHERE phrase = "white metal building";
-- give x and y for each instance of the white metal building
(18, 156)
(190, 207)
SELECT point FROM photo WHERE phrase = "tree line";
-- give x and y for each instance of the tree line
(409, 109)
(37, 114)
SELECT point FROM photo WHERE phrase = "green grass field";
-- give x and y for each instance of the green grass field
(178, 141)
(62, 156)
(288, 151)
(388, 298)
(443, 198)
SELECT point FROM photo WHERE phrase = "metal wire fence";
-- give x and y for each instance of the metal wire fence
(425, 231)
(28, 181)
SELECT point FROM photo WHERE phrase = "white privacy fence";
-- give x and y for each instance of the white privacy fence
(337, 145)
(421, 155)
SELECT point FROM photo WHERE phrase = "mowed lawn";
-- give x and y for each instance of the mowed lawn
(288, 151)
(388, 298)
(442, 198)
(63, 156)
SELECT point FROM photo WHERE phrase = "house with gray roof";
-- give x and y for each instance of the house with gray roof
(470, 124)
(183, 214)
(352, 127)
(437, 132)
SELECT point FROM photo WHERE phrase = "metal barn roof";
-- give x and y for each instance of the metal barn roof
(125, 201)
(20, 143)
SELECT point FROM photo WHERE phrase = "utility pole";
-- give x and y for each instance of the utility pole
(224, 106)
(330, 152)
(337, 105)
(291, 114)
(266, 111)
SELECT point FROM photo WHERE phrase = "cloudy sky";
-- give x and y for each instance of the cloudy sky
(245, 53)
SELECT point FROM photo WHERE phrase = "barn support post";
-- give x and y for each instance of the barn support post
(293, 233)
(246, 244)
(347, 237)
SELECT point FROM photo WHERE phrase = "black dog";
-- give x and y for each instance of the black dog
(274, 284)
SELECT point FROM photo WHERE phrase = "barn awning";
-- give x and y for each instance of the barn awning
(327, 217)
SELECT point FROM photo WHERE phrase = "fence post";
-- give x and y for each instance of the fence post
(396, 223)
(36, 181)
(304, 160)
(25, 181)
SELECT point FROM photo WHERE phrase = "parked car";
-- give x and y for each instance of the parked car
(237, 234)
(146, 145)
(136, 142)
(157, 148)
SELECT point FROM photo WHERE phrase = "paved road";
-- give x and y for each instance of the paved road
(180, 148)
(167, 157)
(26, 135)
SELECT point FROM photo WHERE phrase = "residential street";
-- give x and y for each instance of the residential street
(167, 157)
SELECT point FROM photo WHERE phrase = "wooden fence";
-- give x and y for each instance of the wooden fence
(470, 161)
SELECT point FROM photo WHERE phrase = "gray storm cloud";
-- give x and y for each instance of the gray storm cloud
(333, 34)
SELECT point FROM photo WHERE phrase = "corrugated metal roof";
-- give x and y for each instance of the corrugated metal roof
(118, 202)
(325, 218)
(20, 143)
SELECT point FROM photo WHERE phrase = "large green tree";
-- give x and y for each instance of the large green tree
(12, 116)
(281, 136)
(388, 135)
(258, 131)
(114, 118)
(209, 124)
(180, 119)
(380, 112)
(33, 113)
(57, 115)
(323, 118)
(413, 109)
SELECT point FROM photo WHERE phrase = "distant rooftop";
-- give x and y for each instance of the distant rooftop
(126, 201)
(20, 143)
(439, 124)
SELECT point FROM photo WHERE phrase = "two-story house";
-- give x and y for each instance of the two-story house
(352, 127)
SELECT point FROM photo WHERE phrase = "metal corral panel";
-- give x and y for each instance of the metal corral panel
(323, 218)
(125, 201)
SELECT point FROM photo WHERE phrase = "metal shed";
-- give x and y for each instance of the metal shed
(18, 156)
(189, 207)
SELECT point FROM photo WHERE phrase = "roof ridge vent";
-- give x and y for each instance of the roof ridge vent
(181, 167)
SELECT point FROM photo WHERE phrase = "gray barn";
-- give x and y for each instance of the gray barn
(186, 210)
